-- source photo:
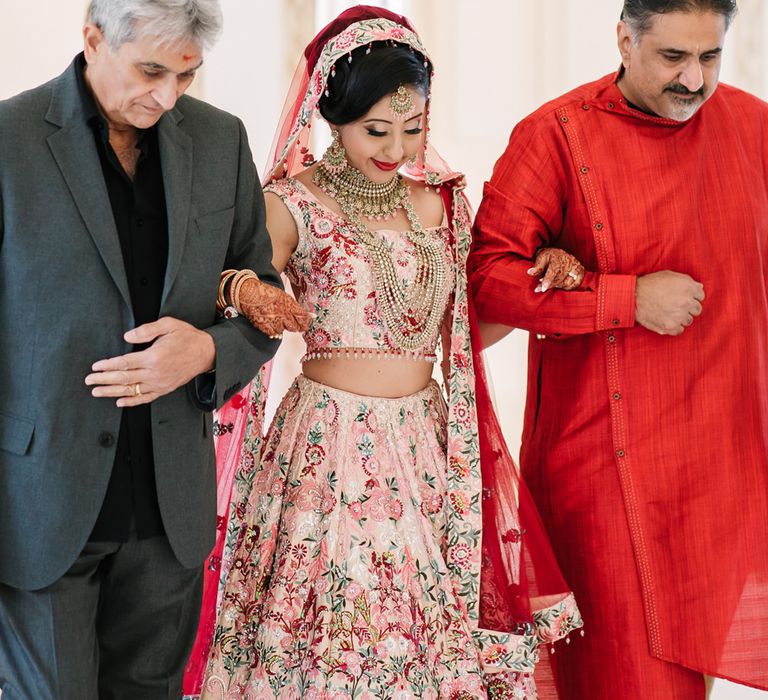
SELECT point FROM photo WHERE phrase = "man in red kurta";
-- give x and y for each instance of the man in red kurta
(646, 426)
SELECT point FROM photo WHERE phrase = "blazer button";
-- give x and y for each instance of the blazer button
(106, 439)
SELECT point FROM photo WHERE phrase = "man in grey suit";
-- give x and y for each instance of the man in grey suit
(121, 201)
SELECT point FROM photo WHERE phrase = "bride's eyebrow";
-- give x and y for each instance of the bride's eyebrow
(385, 121)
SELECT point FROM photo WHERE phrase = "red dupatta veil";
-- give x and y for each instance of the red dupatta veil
(500, 559)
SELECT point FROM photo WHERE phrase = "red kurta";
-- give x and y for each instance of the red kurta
(647, 453)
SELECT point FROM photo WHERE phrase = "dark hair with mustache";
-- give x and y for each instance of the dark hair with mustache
(679, 89)
(638, 14)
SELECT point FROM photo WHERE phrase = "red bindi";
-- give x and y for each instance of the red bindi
(187, 58)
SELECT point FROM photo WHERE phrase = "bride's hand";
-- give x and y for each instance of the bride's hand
(270, 309)
(557, 270)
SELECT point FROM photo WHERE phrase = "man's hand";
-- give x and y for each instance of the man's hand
(178, 353)
(667, 302)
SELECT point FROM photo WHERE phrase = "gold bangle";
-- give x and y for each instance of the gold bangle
(226, 276)
(233, 285)
(237, 285)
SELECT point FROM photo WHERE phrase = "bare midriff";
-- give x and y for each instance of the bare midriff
(388, 378)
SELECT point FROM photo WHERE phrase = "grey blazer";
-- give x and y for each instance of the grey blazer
(64, 303)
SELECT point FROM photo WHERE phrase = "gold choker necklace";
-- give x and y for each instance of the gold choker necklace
(371, 200)
(412, 310)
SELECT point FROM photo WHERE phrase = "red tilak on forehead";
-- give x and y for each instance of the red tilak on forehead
(187, 58)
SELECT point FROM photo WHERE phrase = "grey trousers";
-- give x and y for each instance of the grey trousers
(118, 625)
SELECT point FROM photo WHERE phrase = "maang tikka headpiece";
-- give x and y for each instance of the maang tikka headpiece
(401, 103)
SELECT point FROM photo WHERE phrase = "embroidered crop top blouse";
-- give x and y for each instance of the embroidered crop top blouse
(332, 277)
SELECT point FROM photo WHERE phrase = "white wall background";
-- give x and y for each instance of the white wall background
(496, 60)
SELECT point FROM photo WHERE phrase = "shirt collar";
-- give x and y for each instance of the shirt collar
(90, 109)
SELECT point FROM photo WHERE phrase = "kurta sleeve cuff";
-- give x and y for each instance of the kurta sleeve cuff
(615, 302)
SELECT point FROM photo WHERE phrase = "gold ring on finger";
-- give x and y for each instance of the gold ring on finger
(136, 389)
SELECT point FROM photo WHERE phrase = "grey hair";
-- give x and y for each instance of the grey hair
(638, 14)
(171, 21)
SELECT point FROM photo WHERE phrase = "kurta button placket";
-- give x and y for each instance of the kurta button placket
(617, 396)
(620, 453)
(584, 169)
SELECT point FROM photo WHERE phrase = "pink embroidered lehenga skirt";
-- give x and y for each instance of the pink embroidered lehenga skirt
(339, 588)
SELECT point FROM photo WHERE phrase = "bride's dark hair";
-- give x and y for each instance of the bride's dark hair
(375, 71)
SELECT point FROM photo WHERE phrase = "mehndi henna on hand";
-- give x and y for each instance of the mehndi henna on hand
(557, 269)
(268, 308)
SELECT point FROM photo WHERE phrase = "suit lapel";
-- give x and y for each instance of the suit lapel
(176, 159)
(74, 151)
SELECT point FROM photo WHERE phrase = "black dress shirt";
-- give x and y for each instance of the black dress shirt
(139, 209)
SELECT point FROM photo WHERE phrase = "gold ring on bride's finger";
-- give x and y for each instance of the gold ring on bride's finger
(573, 274)
(136, 389)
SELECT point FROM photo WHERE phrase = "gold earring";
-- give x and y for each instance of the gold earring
(335, 157)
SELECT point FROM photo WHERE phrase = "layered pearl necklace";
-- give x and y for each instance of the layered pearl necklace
(412, 310)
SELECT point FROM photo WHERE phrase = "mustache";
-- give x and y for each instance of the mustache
(679, 89)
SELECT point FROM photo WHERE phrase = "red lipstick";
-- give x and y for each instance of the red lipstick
(388, 167)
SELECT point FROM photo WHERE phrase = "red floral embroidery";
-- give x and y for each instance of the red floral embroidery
(459, 502)
(461, 555)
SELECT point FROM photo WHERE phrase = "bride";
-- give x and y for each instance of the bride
(376, 546)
